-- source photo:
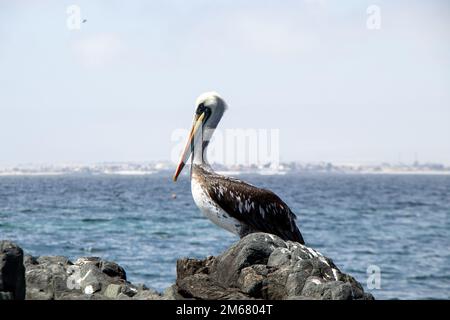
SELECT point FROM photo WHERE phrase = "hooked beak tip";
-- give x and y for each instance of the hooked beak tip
(178, 171)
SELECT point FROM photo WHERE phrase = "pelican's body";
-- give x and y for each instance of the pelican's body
(232, 204)
(208, 206)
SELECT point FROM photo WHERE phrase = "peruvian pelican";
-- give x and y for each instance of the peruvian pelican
(232, 204)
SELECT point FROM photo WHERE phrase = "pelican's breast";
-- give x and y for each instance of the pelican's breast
(210, 209)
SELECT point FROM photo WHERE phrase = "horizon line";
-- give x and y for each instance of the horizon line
(333, 162)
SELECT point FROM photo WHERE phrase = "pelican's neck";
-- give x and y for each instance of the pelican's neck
(199, 155)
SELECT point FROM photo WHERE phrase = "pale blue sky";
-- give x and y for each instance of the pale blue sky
(116, 89)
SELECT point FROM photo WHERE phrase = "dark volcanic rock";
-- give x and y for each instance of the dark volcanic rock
(259, 266)
(254, 250)
(263, 266)
(12, 272)
(112, 269)
(88, 278)
(58, 278)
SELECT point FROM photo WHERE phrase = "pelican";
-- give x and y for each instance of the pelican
(236, 206)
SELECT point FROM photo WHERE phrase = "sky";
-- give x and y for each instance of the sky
(117, 88)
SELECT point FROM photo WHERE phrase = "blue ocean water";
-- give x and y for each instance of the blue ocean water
(399, 223)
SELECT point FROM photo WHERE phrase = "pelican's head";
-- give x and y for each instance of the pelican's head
(209, 109)
(213, 106)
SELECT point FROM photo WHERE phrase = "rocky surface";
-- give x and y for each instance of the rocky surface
(87, 278)
(259, 266)
(12, 272)
(58, 278)
(263, 266)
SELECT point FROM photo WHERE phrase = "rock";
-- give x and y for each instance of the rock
(89, 278)
(148, 295)
(112, 291)
(251, 280)
(186, 267)
(130, 290)
(95, 261)
(263, 266)
(29, 260)
(171, 293)
(91, 288)
(255, 249)
(258, 266)
(295, 283)
(333, 290)
(6, 295)
(12, 272)
(279, 257)
(112, 269)
(275, 288)
(342, 291)
(46, 277)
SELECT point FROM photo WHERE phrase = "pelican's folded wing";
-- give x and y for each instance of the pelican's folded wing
(260, 209)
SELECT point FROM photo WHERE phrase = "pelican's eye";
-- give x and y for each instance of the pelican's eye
(200, 109)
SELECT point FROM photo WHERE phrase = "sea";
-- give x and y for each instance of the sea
(391, 232)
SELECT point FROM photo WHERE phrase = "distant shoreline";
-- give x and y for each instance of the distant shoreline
(267, 169)
(227, 173)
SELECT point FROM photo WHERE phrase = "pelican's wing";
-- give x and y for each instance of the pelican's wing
(260, 209)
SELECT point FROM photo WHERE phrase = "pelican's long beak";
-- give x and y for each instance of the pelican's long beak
(198, 121)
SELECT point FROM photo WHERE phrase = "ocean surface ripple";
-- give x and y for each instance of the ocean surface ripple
(399, 223)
